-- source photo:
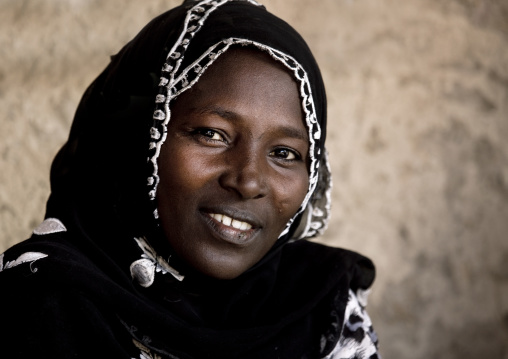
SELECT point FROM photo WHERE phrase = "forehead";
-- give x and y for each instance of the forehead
(248, 82)
(246, 61)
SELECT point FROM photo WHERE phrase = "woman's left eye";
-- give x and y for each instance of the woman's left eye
(285, 154)
(210, 135)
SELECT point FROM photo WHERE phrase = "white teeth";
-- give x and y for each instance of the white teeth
(236, 224)
(228, 221)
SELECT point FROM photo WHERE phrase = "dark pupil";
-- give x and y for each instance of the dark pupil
(283, 153)
(209, 133)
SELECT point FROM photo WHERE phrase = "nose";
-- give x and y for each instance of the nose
(245, 173)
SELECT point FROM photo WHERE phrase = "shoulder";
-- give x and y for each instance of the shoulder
(310, 250)
(358, 338)
(349, 277)
(38, 247)
(48, 285)
(47, 256)
(329, 262)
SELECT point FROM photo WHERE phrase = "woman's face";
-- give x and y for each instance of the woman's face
(233, 169)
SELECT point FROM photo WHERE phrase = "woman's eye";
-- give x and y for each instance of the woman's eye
(210, 134)
(284, 153)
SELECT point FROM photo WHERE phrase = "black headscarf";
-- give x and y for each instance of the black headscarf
(104, 184)
(122, 117)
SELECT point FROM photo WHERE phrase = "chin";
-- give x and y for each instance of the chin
(225, 268)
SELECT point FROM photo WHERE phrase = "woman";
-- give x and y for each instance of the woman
(194, 168)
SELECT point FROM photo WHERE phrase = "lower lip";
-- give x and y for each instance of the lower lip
(229, 234)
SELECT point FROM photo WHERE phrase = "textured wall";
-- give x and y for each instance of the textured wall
(418, 107)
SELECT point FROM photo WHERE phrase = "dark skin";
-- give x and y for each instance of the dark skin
(233, 170)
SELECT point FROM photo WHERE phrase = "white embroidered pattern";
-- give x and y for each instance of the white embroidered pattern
(143, 270)
(173, 83)
(316, 216)
(48, 226)
(28, 257)
(358, 339)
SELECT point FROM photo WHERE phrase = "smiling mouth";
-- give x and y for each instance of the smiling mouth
(231, 222)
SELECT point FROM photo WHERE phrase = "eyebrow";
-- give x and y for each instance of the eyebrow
(231, 116)
(219, 111)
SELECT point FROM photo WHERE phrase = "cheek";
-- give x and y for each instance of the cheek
(182, 172)
(292, 191)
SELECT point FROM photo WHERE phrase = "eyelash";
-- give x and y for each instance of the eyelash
(207, 135)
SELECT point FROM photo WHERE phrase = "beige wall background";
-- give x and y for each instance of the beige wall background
(418, 108)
